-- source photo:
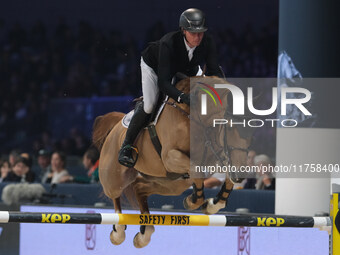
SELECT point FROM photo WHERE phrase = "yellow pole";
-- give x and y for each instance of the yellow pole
(334, 210)
(166, 220)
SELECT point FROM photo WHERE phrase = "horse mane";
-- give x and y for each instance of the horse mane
(102, 127)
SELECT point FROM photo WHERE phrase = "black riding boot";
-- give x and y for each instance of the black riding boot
(138, 121)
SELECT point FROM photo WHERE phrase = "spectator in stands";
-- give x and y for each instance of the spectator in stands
(215, 180)
(21, 172)
(28, 157)
(91, 163)
(4, 170)
(58, 165)
(249, 182)
(250, 158)
(264, 178)
(14, 155)
(44, 162)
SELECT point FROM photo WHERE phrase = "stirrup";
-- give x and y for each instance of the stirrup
(125, 161)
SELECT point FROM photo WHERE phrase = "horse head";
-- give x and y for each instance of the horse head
(214, 138)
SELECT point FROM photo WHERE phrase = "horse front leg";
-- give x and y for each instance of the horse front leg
(213, 205)
(117, 235)
(176, 161)
(142, 191)
(196, 199)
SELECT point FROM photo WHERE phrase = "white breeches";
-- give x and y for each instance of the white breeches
(149, 86)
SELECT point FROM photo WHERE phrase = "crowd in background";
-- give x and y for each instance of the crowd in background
(50, 167)
(43, 63)
(260, 178)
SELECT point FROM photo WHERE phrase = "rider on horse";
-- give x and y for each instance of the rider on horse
(179, 51)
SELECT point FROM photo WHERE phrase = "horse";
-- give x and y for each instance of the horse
(151, 174)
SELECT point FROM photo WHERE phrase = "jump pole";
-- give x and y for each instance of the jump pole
(165, 219)
(323, 223)
(334, 213)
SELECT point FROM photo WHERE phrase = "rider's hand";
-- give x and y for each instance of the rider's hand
(185, 98)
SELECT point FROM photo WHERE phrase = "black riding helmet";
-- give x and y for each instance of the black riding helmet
(193, 20)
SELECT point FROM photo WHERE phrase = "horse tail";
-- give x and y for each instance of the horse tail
(102, 127)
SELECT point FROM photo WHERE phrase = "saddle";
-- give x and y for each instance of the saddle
(154, 115)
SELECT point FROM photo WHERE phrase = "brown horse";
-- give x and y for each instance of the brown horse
(150, 175)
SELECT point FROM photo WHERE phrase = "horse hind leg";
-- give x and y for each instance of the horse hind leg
(117, 235)
(143, 237)
(196, 199)
(213, 205)
(142, 188)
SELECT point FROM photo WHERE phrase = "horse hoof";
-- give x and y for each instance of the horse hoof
(117, 235)
(209, 207)
(185, 204)
(189, 205)
(141, 240)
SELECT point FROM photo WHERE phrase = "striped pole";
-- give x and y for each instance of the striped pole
(165, 220)
(336, 223)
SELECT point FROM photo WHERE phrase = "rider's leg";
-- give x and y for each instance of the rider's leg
(138, 121)
(141, 115)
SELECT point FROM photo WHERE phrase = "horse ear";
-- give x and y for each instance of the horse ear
(204, 70)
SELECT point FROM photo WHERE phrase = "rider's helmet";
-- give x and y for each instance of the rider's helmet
(193, 20)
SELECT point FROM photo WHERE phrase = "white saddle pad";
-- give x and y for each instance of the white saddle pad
(127, 118)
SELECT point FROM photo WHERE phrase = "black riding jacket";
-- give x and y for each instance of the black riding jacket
(169, 56)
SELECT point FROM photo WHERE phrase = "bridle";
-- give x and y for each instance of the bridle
(225, 150)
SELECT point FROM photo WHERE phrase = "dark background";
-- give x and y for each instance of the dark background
(62, 63)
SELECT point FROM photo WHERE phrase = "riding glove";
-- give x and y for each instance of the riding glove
(185, 98)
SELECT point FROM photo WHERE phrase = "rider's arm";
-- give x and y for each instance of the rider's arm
(211, 58)
(164, 72)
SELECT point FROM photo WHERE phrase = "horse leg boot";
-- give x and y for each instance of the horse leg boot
(213, 205)
(138, 121)
(196, 199)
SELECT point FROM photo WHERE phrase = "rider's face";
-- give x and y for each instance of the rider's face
(193, 39)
